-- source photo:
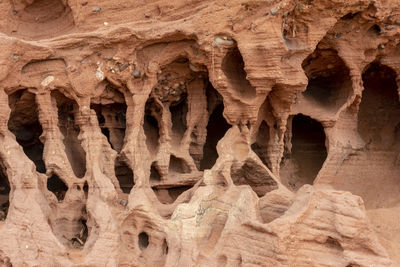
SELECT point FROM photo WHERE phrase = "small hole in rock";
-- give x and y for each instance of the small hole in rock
(165, 247)
(86, 187)
(143, 240)
(124, 175)
(57, 186)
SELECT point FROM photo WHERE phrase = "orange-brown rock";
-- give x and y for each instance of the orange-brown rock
(200, 133)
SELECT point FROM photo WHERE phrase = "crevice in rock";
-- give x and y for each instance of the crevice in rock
(333, 243)
(169, 195)
(4, 193)
(216, 129)
(233, 67)
(124, 175)
(260, 146)
(24, 124)
(307, 154)
(379, 111)
(57, 187)
(329, 82)
(112, 121)
(67, 109)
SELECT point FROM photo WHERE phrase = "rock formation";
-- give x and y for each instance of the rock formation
(200, 133)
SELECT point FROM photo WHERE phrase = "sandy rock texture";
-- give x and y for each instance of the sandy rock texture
(200, 133)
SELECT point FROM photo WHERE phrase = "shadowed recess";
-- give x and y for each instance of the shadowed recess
(124, 175)
(329, 82)
(67, 109)
(24, 124)
(233, 67)
(308, 152)
(57, 186)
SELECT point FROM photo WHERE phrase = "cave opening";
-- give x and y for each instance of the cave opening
(260, 146)
(308, 151)
(124, 175)
(24, 124)
(112, 122)
(216, 129)
(4, 193)
(57, 187)
(233, 68)
(67, 108)
(329, 81)
(379, 111)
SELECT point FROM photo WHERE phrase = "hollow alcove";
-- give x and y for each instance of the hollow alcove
(177, 165)
(216, 129)
(43, 18)
(154, 173)
(24, 124)
(57, 186)
(112, 121)
(152, 132)
(233, 68)
(329, 82)
(379, 111)
(307, 154)
(76, 155)
(260, 146)
(178, 116)
(4, 194)
(124, 175)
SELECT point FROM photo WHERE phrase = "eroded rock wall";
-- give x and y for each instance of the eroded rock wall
(199, 133)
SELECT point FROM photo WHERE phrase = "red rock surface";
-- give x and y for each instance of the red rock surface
(199, 133)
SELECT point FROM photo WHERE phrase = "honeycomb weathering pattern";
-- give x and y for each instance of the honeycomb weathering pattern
(199, 133)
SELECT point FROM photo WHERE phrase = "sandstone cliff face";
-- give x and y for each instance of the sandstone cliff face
(199, 133)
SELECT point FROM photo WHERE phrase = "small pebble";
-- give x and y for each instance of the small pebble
(15, 11)
(105, 23)
(135, 73)
(338, 35)
(123, 202)
(96, 9)
(274, 11)
(124, 66)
